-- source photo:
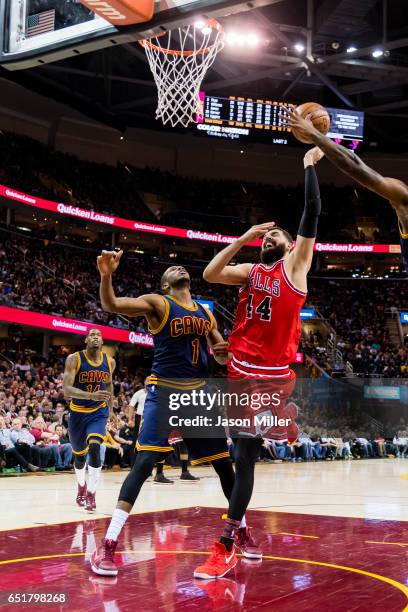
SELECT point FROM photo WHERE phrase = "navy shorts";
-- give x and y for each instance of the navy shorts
(155, 431)
(81, 426)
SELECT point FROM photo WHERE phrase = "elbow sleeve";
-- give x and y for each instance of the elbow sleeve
(310, 217)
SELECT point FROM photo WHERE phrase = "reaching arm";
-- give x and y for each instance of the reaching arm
(218, 270)
(348, 162)
(73, 392)
(151, 306)
(300, 260)
(132, 307)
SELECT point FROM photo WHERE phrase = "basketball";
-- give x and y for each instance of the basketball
(317, 114)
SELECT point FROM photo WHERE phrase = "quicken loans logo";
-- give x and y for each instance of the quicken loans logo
(105, 9)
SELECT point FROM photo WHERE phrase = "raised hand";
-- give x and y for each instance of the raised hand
(257, 231)
(312, 157)
(108, 262)
(303, 127)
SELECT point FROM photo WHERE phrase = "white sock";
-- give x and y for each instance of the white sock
(80, 474)
(243, 522)
(119, 518)
(94, 474)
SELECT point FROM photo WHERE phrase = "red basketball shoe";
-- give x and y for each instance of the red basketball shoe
(90, 504)
(220, 562)
(81, 496)
(103, 559)
(246, 545)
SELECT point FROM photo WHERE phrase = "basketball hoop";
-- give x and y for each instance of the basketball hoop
(179, 60)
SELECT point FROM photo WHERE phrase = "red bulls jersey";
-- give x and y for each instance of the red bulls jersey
(267, 325)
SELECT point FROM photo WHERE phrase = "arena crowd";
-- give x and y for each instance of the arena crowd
(226, 206)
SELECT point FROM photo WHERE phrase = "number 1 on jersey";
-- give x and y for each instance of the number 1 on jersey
(196, 351)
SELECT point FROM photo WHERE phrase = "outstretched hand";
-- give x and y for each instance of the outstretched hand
(108, 262)
(312, 157)
(302, 126)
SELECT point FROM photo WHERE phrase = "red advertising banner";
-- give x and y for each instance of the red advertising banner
(165, 230)
(72, 326)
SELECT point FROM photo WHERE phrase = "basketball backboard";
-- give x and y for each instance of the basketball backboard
(35, 32)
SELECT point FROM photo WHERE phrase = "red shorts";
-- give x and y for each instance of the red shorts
(263, 406)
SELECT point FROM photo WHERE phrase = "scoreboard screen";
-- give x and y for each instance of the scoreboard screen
(346, 124)
(244, 112)
(236, 117)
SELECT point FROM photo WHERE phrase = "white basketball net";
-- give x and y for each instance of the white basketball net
(179, 61)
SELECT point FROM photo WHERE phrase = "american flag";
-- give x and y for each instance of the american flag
(40, 23)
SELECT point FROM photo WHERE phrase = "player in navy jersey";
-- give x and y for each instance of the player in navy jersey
(88, 383)
(393, 190)
(182, 330)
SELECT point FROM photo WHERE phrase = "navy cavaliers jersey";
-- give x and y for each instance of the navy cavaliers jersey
(180, 343)
(91, 376)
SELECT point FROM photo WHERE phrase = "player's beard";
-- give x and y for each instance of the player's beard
(181, 283)
(272, 254)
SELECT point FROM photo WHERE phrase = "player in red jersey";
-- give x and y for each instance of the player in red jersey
(264, 341)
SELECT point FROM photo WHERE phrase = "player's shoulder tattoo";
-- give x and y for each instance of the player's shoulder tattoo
(72, 360)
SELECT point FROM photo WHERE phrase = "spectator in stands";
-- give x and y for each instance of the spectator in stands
(64, 447)
(365, 447)
(25, 443)
(401, 443)
(343, 450)
(283, 451)
(379, 446)
(304, 444)
(136, 407)
(114, 451)
(329, 447)
(45, 438)
(9, 454)
(268, 452)
(318, 451)
(60, 417)
(124, 436)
